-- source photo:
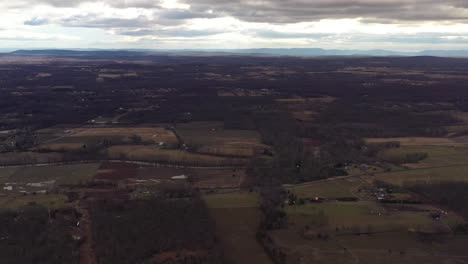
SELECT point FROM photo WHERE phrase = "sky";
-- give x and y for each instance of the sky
(400, 25)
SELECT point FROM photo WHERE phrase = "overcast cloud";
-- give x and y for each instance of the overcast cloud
(345, 24)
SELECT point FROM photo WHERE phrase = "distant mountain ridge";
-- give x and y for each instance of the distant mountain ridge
(259, 51)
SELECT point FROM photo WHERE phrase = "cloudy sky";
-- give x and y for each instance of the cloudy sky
(404, 25)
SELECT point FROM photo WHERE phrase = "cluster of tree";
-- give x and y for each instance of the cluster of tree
(372, 149)
(414, 157)
(271, 204)
(452, 195)
(367, 117)
(139, 229)
(273, 217)
(36, 235)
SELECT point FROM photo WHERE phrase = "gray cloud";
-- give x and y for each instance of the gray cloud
(36, 21)
(291, 11)
(164, 17)
(74, 3)
(184, 14)
(414, 38)
(273, 34)
(94, 21)
(176, 32)
(134, 3)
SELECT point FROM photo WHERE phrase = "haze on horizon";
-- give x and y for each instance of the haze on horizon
(401, 25)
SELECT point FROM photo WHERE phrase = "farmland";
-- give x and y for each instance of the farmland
(152, 154)
(212, 138)
(327, 189)
(417, 141)
(76, 138)
(442, 174)
(356, 217)
(232, 159)
(50, 201)
(63, 174)
(237, 218)
(219, 178)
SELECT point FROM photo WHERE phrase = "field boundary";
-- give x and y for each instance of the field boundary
(143, 163)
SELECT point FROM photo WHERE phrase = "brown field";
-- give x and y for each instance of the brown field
(153, 154)
(212, 138)
(218, 178)
(116, 171)
(305, 116)
(61, 147)
(235, 149)
(160, 173)
(147, 134)
(415, 141)
(306, 109)
(242, 92)
(324, 99)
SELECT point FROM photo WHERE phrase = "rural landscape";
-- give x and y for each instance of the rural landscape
(139, 157)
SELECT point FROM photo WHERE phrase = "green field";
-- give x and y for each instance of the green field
(430, 150)
(19, 158)
(428, 175)
(61, 174)
(237, 218)
(327, 189)
(437, 155)
(356, 217)
(53, 201)
(383, 248)
(397, 246)
(5, 173)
